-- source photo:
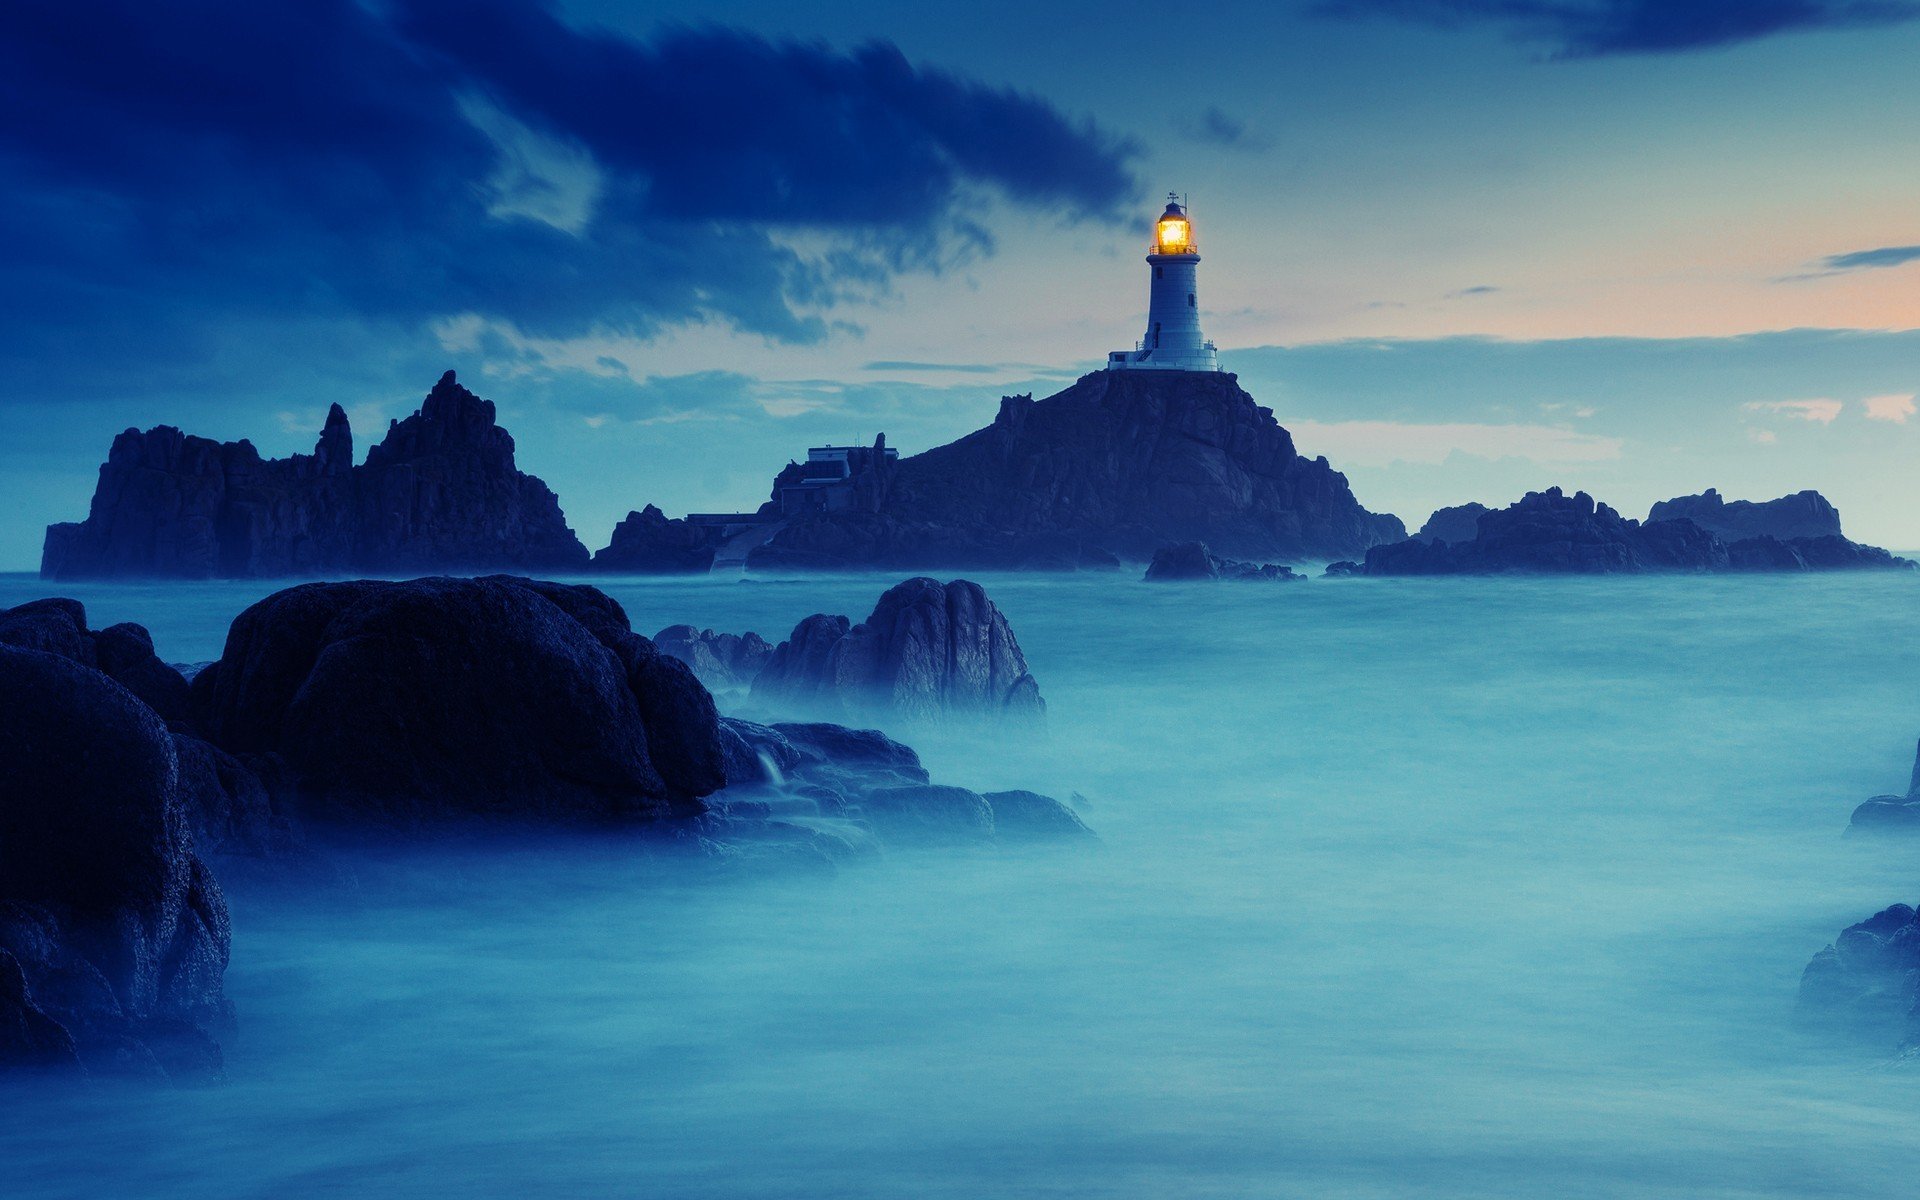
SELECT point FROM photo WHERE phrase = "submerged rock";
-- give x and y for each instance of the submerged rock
(867, 778)
(113, 934)
(1891, 814)
(927, 651)
(1192, 560)
(504, 698)
(440, 491)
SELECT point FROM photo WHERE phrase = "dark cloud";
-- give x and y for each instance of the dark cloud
(1591, 28)
(1860, 260)
(1478, 289)
(169, 169)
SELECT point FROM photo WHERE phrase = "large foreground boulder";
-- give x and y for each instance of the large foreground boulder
(928, 651)
(409, 703)
(124, 652)
(113, 934)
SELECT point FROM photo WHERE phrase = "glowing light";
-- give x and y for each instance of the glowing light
(1173, 235)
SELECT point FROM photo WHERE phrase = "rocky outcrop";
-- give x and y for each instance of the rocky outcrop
(928, 651)
(724, 662)
(440, 491)
(123, 652)
(1550, 532)
(1867, 982)
(113, 934)
(649, 542)
(863, 777)
(1460, 523)
(409, 704)
(1891, 814)
(1118, 464)
(1192, 560)
(1801, 515)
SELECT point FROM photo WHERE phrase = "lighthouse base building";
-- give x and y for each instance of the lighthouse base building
(1173, 341)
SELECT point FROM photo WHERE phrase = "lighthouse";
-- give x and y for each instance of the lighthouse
(1174, 341)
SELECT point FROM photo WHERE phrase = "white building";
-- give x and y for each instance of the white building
(1174, 341)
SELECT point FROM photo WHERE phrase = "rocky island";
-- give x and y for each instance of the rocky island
(1552, 532)
(1114, 467)
(440, 491)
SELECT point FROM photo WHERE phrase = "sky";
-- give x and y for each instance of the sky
(1463, 248)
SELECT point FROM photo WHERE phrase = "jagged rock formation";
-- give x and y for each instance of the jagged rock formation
(440, 491)
(721, 661)
(649, 542)
(1867, 982)
(1801, 515)
(404, 704)
(927, 651)
(1192, 560)
(1459, 523)
(1554, 533)
(1116, 465)
(113, 933)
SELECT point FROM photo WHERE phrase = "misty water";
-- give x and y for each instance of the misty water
(1406, 888)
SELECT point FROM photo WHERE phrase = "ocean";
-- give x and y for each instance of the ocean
(1405, 888)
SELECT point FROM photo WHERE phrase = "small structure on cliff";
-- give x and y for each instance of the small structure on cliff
(1173, 341)
(833, 479)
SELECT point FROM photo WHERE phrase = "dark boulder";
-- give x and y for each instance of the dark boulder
(441, 490)
(1192, 560)
(503, 698)
(649, 542)
(925, 813)
(721, 661)
(1764, 553)
(1344, 569)
(1460, 523)
(1835, 553)
(111, 928)
(1866, 983)
(124, 652)
(1801, 515)
(927, 651)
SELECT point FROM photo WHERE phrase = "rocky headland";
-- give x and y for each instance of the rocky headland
(440, 491)
(1551, 532)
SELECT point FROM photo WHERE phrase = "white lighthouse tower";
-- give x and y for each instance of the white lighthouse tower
(1174, 341)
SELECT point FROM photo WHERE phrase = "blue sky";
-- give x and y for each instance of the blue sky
(1462, 247)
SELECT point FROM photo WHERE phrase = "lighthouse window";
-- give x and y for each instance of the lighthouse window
(1158, 272)
(1156, 333)
(1191, 302)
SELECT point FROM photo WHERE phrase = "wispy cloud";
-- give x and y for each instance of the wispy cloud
(1896, 408)
(1218, 127)
(1595, 28)
(1865, 260)
(1383, 443)
(1820, 412)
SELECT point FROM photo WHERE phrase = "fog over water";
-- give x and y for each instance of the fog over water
(1407, 888)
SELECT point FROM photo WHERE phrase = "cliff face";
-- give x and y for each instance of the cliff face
(1118, 464)
(441, 491)
(1802, 515)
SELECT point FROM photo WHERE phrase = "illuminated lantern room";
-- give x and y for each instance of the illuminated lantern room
(1173, 341)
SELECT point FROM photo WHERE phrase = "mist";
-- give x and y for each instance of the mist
(1409, 888)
